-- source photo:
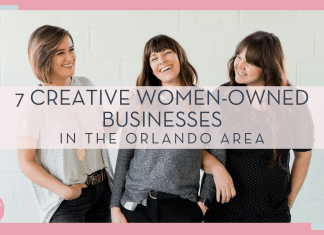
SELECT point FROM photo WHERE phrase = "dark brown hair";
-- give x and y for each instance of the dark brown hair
(188, 75)
(42, 46)
(263, 50)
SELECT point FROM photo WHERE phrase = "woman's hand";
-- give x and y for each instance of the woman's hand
(37, 174)
(73, 192)
(224, 184)
(117, 216)
(223, 180)
(202, 207)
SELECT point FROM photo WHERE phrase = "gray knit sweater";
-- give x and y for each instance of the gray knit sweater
(175, 171)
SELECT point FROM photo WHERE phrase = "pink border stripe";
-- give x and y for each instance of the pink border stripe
(158, 229)
(167, 5)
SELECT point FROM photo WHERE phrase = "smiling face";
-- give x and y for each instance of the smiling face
(166, 67)
(63, 61)
(246, 73)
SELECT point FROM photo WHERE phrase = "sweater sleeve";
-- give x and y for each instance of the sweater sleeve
(208, 187)
(123, 161)
(124, 158)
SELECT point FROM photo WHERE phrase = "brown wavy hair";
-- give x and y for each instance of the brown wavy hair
(42, 47)
(188, 75)
(263, 50)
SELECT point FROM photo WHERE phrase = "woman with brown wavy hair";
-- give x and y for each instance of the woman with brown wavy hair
(149, 184)
(184, 74)
(266, 190)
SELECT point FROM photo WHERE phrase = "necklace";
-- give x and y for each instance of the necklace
(81, 154)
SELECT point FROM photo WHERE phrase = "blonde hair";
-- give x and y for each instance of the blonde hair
(42, 46)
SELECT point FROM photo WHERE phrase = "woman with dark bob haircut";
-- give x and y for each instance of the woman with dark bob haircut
(69, 185)
(266, 190)
(161, 185)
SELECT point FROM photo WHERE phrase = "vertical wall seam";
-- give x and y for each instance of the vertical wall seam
(1, 71)
(180, 14)
(297, 72)
(298, 19)
(120, 19)
(120, 71)
(315, 44)
(90, 42)
(61, 17)
(14, 187)
(239, 19)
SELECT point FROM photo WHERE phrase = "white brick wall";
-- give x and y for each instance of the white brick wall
(269, 20)
(129, 71)
(215, 20)
(309, 20)
(150, 19)
(297, 44)
(223, 43)
(310, 72)
(90, 19)
(109, 46)
(319, 45)
(117, 43)
(30, 19)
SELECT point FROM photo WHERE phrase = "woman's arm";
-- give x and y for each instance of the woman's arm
(29, 167)
(298, 174)
(122, 166)
(223, 181)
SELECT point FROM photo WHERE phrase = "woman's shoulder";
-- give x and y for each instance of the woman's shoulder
(226, 84)
(81, 81)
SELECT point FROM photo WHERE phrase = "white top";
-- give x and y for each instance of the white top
(63, 164)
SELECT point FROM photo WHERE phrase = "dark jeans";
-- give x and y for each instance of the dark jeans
(165, 211)
(91, 207)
